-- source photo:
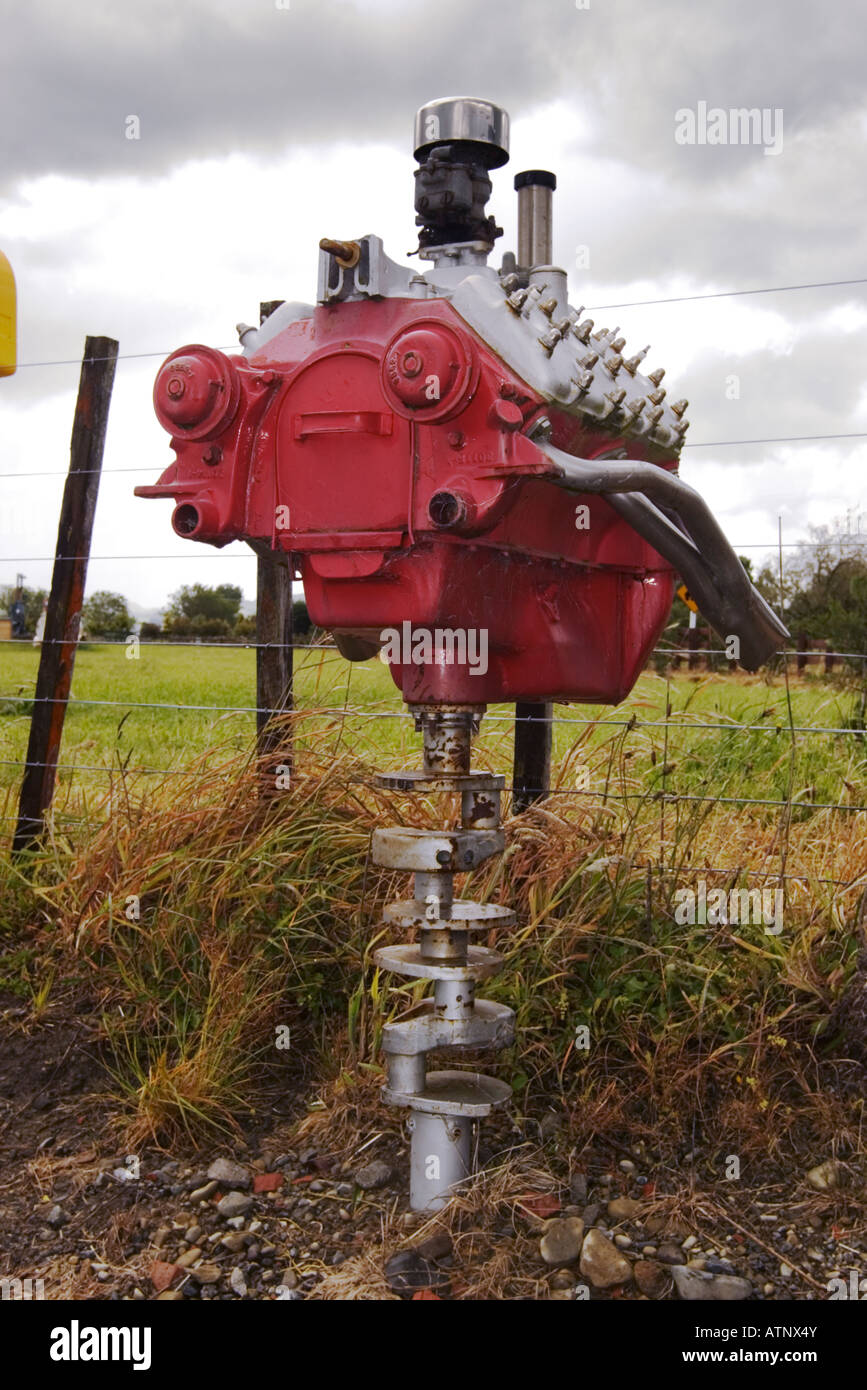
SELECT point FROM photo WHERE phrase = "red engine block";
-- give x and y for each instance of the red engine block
(388, 449)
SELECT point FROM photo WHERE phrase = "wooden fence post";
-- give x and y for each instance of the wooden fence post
(531, 780)
(274, 633)
(63, 617)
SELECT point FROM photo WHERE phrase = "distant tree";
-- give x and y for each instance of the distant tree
(32, 600)
(195, 605)
(149, 632)
(106, 615)
(302, 623)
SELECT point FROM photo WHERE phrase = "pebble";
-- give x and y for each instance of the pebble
(786, 1271)
(188, 1258)
(234, 1204)
(825, 1176)
(202, 1194)
(590, 1214)
(373, 1175)
(623, 1241)
(193, 1234)
(344, 1189)
(561, 1240)
(623, 1208)
(697, 1287)
(234, 1241)
(653, 1279)
(626, 1165)
(578, 1188)
(561, 1279)
(206, 1273)
(289, 1279)
(602, 1263)
(689, 1243)
(237, 1282)
(408, 1271)
(229, 1173)
(669, 1254)
(57, 1217)
(236, 1222)
(160, 1237)
(767, 1289)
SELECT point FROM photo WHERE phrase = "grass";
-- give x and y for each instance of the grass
(191, 919)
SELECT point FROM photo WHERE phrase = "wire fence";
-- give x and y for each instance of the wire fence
(684, 725)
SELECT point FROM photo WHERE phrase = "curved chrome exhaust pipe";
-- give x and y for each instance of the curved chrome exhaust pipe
(678, 523)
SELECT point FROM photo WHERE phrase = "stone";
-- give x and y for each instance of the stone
(590, 1214)
(689, 1242)
(578, 1188)
(626, 1165)
(234, 1204)
(696, 1286)
(562, 1279)
(669, 1254)
(234, 1242)
(163, 1273)
(161, 1235)
(652, 1278)
(229, 1173)
(202, 1194)
(193, 1234)
(289, 1279)
(437, 1246)
(237, 1282)
(561, 1240)
(602, 1263)
(408, 1271)
(169, 1296)
(207, 1273)
(825, 1176)
(375, 1174)
(57, 1217)
(623, 1208)
(623, 1241)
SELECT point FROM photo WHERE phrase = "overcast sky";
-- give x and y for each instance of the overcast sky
(265, 125)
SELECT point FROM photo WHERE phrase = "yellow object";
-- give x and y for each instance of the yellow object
(8, 358)
(690, 602)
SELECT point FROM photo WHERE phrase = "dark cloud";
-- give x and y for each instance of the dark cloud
(211, 76)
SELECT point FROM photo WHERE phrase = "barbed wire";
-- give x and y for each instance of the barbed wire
(355, 713)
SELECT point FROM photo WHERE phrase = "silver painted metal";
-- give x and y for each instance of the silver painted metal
(679, 524)
(449, 119)
(445, 1105)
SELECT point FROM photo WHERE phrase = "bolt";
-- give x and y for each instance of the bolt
(412, 363)
(212, 454)
(175, 388)
(548, 306)
(657, 397)
(516, 301)
(679, 407)
(583, 330)
(619, 344)
(614, 364)
(590, 360)
(656, 377)
(455, 439)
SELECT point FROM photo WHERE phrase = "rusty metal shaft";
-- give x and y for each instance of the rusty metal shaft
(446, 1105)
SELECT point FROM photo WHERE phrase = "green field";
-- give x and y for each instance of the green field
(174, 704)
